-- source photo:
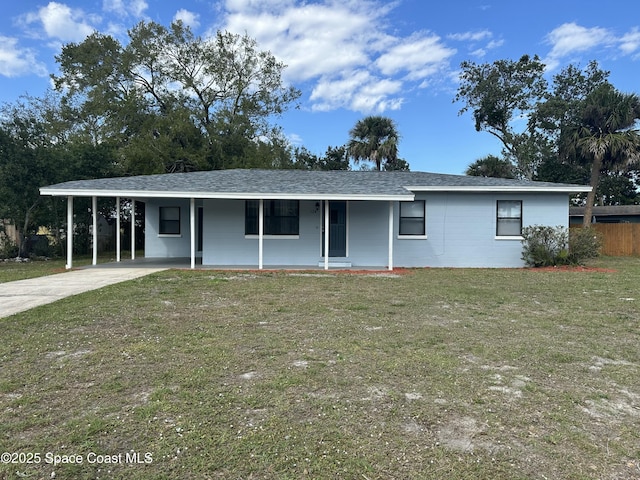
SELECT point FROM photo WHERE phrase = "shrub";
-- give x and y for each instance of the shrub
(544, 246)
(584, 243)
(8, 248)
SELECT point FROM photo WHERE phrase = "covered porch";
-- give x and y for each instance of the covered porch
(194, 260)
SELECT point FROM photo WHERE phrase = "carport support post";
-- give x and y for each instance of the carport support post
(390, 235)
(69, 233)
(260, 233)
(326, 234)
(118, 246)
(192, 231)
(94, 228)
(133, 229)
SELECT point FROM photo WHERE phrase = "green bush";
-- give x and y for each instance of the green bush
(8, 248)
(544, 246)
(584, 243)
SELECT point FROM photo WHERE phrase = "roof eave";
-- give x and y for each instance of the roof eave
(502, 188)
(71, 192)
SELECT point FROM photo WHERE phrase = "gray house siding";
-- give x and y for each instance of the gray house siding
(460, 232)
(368, 237)
(461, 229)
(166, 246)
(225, 242)
(157, 246)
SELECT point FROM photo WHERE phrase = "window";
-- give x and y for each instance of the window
(169, 221)
(509, 218)
(281, 217)
(412, 218)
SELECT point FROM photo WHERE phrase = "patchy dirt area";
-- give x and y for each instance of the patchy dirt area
(571, 268)
(440, 373)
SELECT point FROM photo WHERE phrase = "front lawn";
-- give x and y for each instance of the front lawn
(431, 374)
(11, 270)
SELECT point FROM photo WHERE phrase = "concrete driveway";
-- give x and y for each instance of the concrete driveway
(23, 295)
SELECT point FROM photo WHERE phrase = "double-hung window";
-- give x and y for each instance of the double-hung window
(412, 218)
(169, 221)
(281, 217)
(509, 218)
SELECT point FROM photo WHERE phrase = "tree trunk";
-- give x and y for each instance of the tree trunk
(591, 196)
(22, 248)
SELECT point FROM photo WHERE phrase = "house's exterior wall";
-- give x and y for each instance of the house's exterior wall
(461, 229)
(460, 232)
(225, 242)
(166, 246)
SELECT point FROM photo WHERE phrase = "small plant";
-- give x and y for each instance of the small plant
(584, 243)
(544, 246)
(8, 248)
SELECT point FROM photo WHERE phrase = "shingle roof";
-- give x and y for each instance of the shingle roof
(607, 210)
(293, 183)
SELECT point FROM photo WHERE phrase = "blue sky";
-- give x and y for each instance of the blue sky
(353, 58)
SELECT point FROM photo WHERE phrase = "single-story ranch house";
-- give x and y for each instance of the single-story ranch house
(360, 219)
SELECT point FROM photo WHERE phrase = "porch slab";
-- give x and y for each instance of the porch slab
(185, 263)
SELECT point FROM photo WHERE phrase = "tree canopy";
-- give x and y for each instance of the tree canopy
(604, 135)
(375, 139)
(576, 129)
(177, 102)
(491, 166)
(497, 93)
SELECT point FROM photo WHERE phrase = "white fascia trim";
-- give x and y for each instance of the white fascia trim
(240, 196)
(576, 189)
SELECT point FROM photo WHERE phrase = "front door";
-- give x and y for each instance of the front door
(337, 229)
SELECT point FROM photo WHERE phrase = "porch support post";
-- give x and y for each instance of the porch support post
(192, 231)
(69, 232)
(94, 228)
(133, 229)
(390, 235)
(260, 233)
(118, 246)
(326, 234)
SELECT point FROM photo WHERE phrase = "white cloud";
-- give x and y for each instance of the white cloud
(630, 42)
(188, 18)
(343, 48)
(471, 36)
(62, 23)
(419, 56)
(356, 90)
(295, 139)
(16, 62)
(124, 8)
(570, 38)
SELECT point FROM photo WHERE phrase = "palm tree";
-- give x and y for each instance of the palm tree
(491, 166)
(375, 139)
(606, 135)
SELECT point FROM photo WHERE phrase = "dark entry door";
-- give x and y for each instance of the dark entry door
(337, 229)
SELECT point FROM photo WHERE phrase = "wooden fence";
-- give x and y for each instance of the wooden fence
(619, 239)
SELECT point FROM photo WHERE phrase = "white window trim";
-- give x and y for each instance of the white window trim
(412, 237)
(510, 237)
(269, 237)
(170, 235)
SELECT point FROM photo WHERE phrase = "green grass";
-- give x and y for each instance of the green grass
(11, 270)
(439, 373)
